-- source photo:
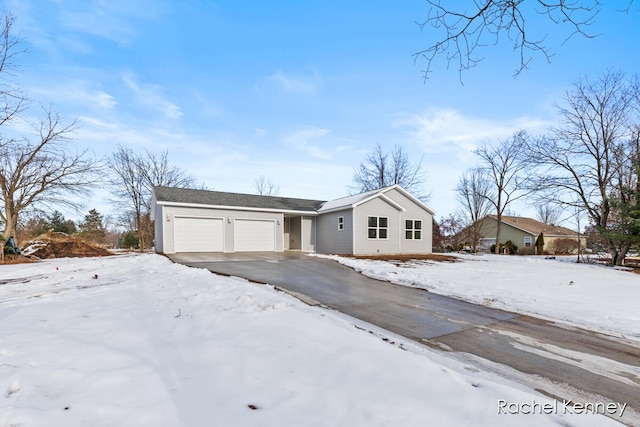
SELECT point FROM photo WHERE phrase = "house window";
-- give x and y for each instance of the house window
(413, 229)
(340, 223)
(377, 227)
(527, 242)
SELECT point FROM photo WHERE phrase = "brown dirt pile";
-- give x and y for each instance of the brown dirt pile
(60, 245)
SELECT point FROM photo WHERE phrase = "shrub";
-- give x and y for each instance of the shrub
(511, 249)
(129, 240)
(563, 246)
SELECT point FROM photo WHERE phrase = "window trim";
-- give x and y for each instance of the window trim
(411, 231)
(378, 228)
(340, 223)
(530, 241)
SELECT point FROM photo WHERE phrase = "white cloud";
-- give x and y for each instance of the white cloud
(296, 83)
(77, 92)
(149, 96)
(307, 140)
(113, 20)
(441, 130)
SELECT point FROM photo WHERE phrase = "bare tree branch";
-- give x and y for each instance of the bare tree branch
(132, 180)
(586, 162)
(46, 172)
(473, 193)
(466, 29)
(265, 187)
(504, 164)
(381, 170)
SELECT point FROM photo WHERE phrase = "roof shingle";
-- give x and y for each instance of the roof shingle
(219, 198)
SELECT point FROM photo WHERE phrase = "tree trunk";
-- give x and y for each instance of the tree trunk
(614, 256)
(622, 254)
(11, 225)
(498, 230)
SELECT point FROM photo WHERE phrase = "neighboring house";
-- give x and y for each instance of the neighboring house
(385, 221)
(523, 232)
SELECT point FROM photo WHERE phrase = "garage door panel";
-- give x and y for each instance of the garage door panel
(198, 234)
(254, 236)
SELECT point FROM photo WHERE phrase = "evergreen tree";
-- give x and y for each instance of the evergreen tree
(93, 227)
(540, 244)
(58, 223)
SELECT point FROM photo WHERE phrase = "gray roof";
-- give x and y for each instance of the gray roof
(219, 198)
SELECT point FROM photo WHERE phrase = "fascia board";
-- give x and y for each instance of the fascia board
(413, 198)
(237, 208)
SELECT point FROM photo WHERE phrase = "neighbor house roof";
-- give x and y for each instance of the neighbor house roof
(534, 227)
(222, 199)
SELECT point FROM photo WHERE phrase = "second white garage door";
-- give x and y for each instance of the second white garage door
(254, 235)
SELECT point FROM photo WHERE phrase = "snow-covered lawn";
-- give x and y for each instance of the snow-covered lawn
(590, 296)
(135, 340)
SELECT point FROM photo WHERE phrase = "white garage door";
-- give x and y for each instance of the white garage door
(254, 236)
(198, 234)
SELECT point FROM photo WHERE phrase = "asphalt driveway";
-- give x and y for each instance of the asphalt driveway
(509, 339)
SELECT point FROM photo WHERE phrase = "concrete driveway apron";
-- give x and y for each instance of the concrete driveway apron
(517, 341)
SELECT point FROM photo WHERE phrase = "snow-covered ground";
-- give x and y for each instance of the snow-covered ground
(590, 296)
(135, 340)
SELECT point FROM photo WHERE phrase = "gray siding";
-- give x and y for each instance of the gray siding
(159, 230)
(166, 215)
(331, 240)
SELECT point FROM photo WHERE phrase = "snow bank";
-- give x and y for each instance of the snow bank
(585, 295)
(136, 340)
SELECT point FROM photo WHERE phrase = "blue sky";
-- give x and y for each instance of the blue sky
(297, 91)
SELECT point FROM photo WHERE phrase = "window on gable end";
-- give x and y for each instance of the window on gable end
(413, 229)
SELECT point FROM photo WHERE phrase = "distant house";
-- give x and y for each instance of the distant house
(385, 221)
(523, 232)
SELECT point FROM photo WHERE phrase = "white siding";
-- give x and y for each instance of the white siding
(396, 241)
(166, 215)
(363, 244)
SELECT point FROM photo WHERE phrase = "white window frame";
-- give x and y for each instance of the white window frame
(377, 228)
(340, 223)
(528, 241)
(410, 232)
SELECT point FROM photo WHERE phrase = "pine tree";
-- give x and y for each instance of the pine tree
(93, 228)
(540, 244)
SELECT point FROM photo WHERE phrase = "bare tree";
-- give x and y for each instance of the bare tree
(504, 165)
(548, 214)
(467, 27)
(265, 187)
(133, 181)
(12, 100)
(128, 185)
(581, 160)
(40, 168)
(157, 172)
(451, 228)
(381, 169)
(44, 172)
(473, 193)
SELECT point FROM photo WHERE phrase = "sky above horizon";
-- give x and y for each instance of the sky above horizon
(299, 92)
